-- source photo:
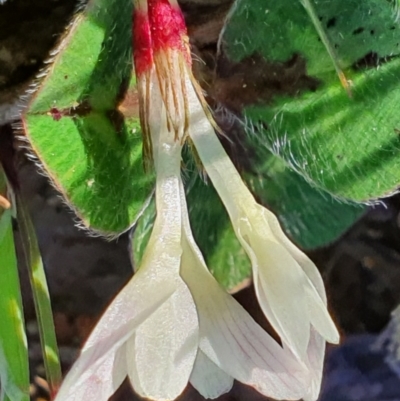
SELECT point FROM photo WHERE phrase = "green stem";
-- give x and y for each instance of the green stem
(308, 5)
(41, 298)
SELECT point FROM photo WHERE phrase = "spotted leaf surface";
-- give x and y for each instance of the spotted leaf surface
(344, 140)
(82, 122)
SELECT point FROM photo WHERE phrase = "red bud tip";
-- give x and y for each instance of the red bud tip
(142, 45)
(168, 28)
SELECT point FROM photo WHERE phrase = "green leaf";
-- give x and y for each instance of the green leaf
(41, 298)
(75, 128)
(14, 363)
(215, 236)
(349, 146)
(142, 232)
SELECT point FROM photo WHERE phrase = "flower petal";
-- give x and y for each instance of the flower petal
(120, 368)
(236, 344)
(208, 379)
(280, 294)
(163, 349)
(309, 305)
(287, 296)
(129, 309)
(230, 338)
(315, 353)
(95, 384)
(131, 367)
(328, 331)
(301, 258)
(316, 346)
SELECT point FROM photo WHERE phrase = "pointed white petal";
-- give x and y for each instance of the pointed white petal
(315, 353)
(208, 379)
(130, 308)
(302, 259)
(236, 344)
(164, 348)
(95, 384)
(279, 284)
(231, 338)
(324, 326)
(319, 314)
(316, 346)
(320, 318)
(131, 366)
(287, 296)
(119, 370)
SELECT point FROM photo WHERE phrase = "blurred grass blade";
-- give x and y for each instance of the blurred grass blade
(41, 298)
(14, 363)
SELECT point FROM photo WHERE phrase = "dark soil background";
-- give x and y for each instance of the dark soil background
(361, 269)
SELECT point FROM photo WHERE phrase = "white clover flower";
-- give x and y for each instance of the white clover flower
(172, 323)
(288, 285)
(150, 331)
